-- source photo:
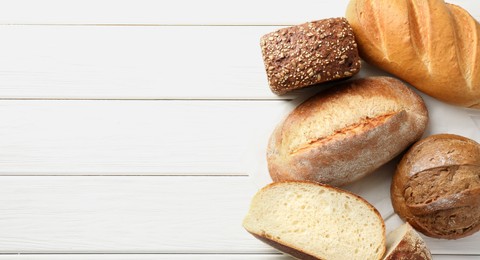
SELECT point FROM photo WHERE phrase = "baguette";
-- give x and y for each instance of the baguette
(347, 132)
(314, 221)
(430, 44)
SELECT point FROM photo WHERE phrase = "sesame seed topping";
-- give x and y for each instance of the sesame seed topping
(309, 53)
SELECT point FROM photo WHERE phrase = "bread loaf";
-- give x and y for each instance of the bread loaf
(436, 187)
(309, 53)
(432, 45)
(405, 244)
(341, 135)
(313, 221)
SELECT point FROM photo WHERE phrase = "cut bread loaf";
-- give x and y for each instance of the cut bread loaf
(315, 221)
(309, 53)
(346, 132)
(433, 45)
(404, 243)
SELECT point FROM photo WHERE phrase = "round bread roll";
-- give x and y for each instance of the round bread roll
(346, 132)
(436, 187)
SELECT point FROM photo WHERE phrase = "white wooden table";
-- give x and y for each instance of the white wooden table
(130, 129)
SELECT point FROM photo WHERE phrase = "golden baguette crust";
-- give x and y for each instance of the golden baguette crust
(432, 45)
(436, 187)
(344, 133)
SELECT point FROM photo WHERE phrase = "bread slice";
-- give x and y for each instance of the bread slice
(404, 243)
(314, 221)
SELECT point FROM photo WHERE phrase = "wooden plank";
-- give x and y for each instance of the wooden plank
(95, 214)
(85, 62)
(212, 12)
(180, 12)
(131, 137)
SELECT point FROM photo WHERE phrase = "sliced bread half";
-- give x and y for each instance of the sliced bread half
(315, 221)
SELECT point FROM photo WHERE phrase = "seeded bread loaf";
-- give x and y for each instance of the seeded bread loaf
(433, 45)
(313, 221)
(405, 244)
(310, 53)
(346, 132)
(436, 187)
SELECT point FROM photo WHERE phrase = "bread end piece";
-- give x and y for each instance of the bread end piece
(309, 53)
(404, 243)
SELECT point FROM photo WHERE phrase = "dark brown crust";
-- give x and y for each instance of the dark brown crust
(450, 206)
(348, 155)
(309, 53)
(297, 252)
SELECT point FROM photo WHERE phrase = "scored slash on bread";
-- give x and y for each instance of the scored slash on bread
(315, 221)
(404, 243)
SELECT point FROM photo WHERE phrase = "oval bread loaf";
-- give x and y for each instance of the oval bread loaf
(433, 45)
(436, 187)
(346, 132)
(314, 221)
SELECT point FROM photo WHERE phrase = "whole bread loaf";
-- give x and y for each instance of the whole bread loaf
(309, 53)
(313, 221)
(432, 45)
(436, 187)
(404, 243)
(346, 132)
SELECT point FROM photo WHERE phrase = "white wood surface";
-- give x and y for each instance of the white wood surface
(75, 137)
(94, 214)
(179, 12)
(125, 62)
(172, 94)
